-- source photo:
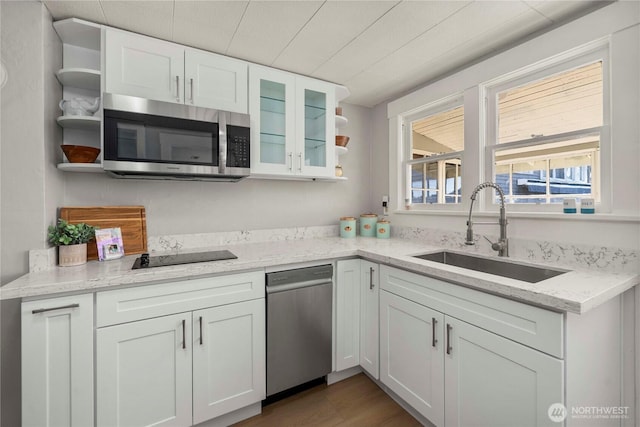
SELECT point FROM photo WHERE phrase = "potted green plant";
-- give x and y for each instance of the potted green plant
(71, 240)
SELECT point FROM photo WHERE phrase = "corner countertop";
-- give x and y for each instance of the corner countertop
(576, 291)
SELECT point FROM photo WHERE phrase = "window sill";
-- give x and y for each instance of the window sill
(598, 217)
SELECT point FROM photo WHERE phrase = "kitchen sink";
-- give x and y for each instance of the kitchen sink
(526, 273)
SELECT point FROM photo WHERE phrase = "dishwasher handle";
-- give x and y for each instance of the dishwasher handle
(272, 289)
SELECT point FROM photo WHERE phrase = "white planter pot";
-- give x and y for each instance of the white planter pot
(71, 255)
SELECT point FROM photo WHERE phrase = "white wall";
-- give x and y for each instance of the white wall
(175, 207)
(617, 22)
(30, 184)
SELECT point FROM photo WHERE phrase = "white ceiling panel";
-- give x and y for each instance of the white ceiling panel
(153, 18)
(399, 26)
(379, 49)
(267, 27)
(558, 11)
(488, 25)
(87, 10)
(208, 25)
(333, 26)
(367, 87)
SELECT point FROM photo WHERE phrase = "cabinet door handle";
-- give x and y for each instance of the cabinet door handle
(290, 160)
(178, 88)
(62, 307)
(449, 348)
(184, 333)
(191, 83)
(371, 270)
(200, 330)
(434, 340)
(300, 162)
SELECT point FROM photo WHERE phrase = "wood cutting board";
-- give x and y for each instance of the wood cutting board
(131, 220)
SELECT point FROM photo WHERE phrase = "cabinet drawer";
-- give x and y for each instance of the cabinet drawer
(532, 326)
(143, 302)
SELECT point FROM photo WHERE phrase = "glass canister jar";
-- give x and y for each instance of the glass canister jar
(383, 229)
(368, 225)
(347, 226)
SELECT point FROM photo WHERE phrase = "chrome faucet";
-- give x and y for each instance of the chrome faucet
(502, 245)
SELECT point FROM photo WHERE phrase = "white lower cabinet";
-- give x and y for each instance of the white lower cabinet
(369, 311)
(228, 358)
(57, 362)
(180, 369)
(412, 354)
(144, 372)
(457, 374)
(493, 381)
(347, 339)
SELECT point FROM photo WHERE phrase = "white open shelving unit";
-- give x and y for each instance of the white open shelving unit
(81, 78)
(341, 122)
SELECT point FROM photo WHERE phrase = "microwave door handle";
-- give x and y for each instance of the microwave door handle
(222, 143)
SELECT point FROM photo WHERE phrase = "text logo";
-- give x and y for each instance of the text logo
(557, 412)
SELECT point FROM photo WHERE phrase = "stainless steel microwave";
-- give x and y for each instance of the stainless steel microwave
(148, 139)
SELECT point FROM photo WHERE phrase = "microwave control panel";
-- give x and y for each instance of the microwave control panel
(238, 146)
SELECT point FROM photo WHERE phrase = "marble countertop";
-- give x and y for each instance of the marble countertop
(576, 291)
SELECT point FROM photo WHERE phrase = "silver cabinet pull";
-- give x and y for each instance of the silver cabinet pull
(434, 340)
(200, 330)
(191, 82)
(449, 348)
(178, 88)
(184, 333)
(371, 270)
(290, 160)
(300, 162)
(62, 307)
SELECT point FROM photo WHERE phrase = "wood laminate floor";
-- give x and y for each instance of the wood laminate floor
(356, 401)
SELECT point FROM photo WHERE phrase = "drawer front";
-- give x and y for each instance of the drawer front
(532, 326)
(144, 302)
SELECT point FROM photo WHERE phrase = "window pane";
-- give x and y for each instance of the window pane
(528, 182)
(561, 103)
(453, 183)
(570, 175)
(438, 134)
(503, 179)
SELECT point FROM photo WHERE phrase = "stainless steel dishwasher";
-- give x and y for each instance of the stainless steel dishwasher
(298, 326)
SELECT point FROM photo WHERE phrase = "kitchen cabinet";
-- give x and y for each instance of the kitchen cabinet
(369, 312)
(457, 374)
(144, 372)
(293, 125)
(490, 380)
(411, 354)
(347, 335)
(149, 68)
(228, 358)
(180, 353)
(57, 361)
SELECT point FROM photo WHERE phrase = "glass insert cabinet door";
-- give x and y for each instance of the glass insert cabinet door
(292, 124)
(316, 108)
(273, 130)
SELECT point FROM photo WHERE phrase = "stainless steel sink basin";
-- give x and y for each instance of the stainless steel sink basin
(526, 273)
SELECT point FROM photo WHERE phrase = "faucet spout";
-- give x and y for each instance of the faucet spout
(502, 246)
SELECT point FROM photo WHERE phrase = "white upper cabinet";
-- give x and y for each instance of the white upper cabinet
(272, 111)
(149, 68)
(292, 125)
(144, 67)
(215, 81)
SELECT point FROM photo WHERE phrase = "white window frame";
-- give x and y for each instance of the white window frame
(584, 55)
(433, 108)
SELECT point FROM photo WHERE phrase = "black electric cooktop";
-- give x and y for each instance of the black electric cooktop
(146, 261)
